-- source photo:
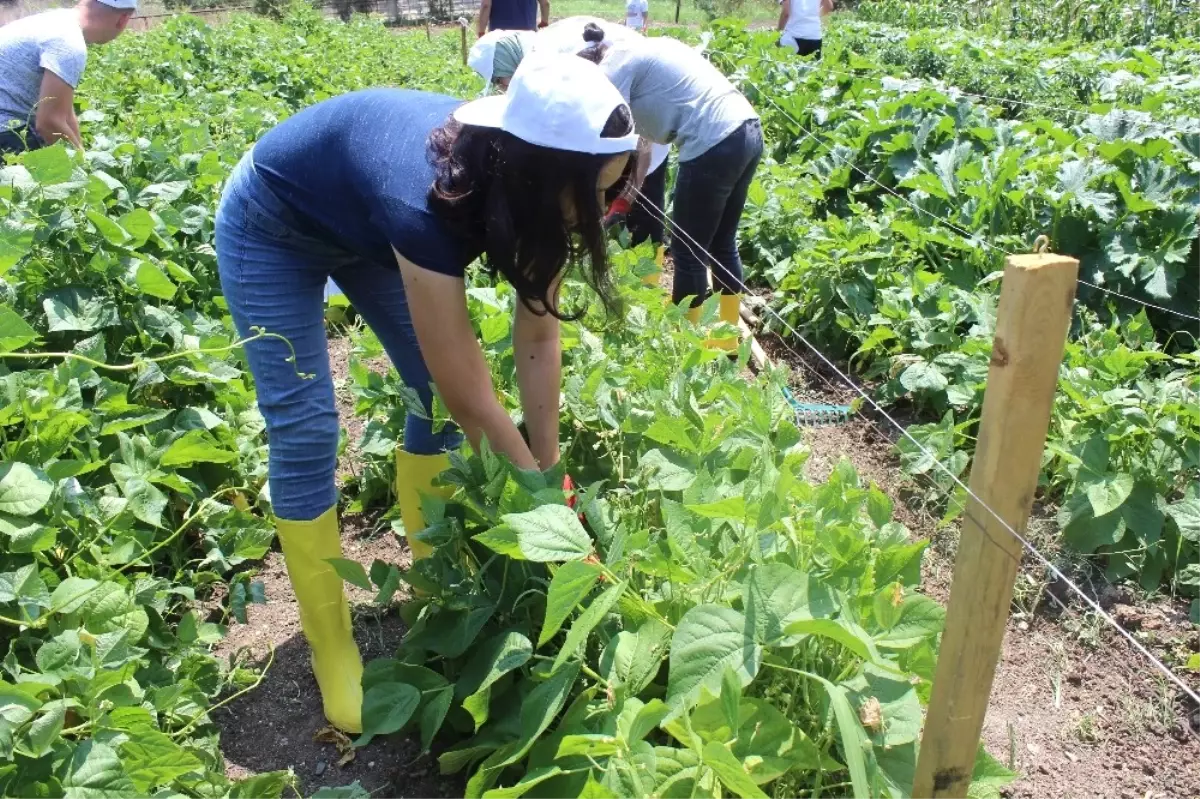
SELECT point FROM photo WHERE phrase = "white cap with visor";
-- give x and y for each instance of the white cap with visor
(558, 101)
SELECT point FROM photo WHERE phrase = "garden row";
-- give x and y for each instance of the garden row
(880, 221)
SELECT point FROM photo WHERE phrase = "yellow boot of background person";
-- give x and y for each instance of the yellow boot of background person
(652, 278)
(414, 476)
(325, 615)
(729, 313)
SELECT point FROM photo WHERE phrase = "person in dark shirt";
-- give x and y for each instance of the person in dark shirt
(394, 194)
(511, 15)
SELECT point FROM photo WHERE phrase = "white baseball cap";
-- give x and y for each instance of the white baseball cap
(123, 5)
(557, 101)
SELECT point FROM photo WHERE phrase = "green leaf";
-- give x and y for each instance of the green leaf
(501, 539)
(923, 376)
(550, 533)
(146, 502)
(632, 659)
(498, 656)
(530, 780)
(571, 584)
(15, 332)
(94, 772)
(386, 709)
(196, 446)
(1109, 493)
(139, 225)
(988, 777)
(854, 738)
(917, 618)
(587, 622)
(1186, 514)
(590, 744)
(433, 715)
(71, 594)
(49, 165)
(110, 230)
(835, 631)
(731, 772)
(775, 595)
(154, 761)
(729, 508)
(665, 472)
(24, 490)
(44, 730)
(78, 308)
(351, 571)
(16, 240)
(261, 786)
(769, 744)
(708, 640)
(538, 710)
(354, 790)
(151, 280)
(110, 608)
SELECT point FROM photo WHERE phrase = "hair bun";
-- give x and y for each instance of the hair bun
(593, 33)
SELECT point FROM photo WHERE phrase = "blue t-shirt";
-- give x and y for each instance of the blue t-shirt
(357, 168)
(513, 15)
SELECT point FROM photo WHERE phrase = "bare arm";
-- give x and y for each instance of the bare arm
(545, 7)
(538, 356)
(646, 21)
(826, 7)
(485, 14)
(448, 344)
(785, 11)
(55, 116)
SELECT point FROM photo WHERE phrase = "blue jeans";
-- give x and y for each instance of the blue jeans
(710, 193)
(274, 269)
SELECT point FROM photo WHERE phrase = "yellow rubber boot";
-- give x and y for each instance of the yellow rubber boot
(414, 476)
(729, 312)
(693, 315)
(325, 615)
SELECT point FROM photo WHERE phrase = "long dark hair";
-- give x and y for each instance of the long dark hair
(505, 195)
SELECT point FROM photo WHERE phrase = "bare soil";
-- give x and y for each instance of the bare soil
(280, 724)
(1074, 709)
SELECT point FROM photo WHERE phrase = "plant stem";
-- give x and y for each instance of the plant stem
(232, 697)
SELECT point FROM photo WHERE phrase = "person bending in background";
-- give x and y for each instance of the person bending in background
(516, 179)
(511, 15)
(637, 15)
(42, 58)
(800, 25)
(497, 55)
(678, 97)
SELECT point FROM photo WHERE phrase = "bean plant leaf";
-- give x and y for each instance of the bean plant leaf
(196, 446)
(731, 772)
(1186, 515)
(570, 585)
(351, 571)
(24, 490)
(587, 621)
(386, 709)
(95, 772)
(708, 640)
(153, 760)
(1109, 493)
(550, 533)
(665, 472)
(775, 595)
(15, 332)
(528, 782)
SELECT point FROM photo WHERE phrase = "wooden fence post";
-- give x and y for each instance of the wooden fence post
(463, 24)
(1034, 314)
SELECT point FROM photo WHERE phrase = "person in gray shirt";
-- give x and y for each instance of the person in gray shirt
(42, 58)
(678, 97)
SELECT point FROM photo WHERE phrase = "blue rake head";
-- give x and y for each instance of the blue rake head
(810, 414)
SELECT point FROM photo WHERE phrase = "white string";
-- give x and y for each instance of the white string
(1029, 547)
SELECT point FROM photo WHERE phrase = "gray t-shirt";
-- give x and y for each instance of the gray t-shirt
(676, 96)
(51, 40)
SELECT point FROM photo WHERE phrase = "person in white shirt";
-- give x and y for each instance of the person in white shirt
(800, 25)
(42, 58)
(637, 15)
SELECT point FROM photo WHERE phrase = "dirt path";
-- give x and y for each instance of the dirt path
(276, 726)
(1073, 708)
